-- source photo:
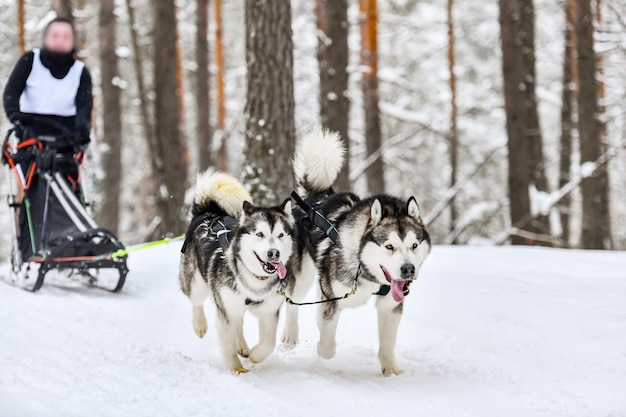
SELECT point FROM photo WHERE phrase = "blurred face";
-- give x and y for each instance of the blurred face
(59, 38)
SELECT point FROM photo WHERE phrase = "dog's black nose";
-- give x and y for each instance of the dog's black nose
(273, 254)
(407, 271)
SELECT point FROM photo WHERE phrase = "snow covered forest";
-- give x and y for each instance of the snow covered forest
(437, 84)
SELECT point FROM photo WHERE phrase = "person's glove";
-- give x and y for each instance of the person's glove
(15, 118)
(80, 141)
(18, 129)
(3, 156)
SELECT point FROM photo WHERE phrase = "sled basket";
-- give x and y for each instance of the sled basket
(52, 228)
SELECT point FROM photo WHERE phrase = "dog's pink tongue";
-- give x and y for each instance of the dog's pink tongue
(282, 271)
(397, 290)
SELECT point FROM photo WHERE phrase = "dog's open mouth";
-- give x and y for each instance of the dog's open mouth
(399, 288)
(271, 268)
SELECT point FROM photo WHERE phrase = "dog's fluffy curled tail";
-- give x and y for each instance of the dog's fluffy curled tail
(221, 189)
(318, 159)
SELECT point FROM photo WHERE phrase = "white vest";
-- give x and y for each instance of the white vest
(45, 94)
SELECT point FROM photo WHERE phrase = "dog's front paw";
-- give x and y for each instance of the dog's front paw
(199, 323)
(289, 340)
(240, 370)
(244, 352)
(326, 351)
(259, 353)
(200, 327)
(392, 370)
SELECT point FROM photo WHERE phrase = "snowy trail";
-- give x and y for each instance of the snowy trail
(486, 332)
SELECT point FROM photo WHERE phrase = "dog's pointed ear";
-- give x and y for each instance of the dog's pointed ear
(376, 212)
(286, 207)
(248, 208)
(413, 209)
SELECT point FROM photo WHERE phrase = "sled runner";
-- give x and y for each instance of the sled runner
(52, 230)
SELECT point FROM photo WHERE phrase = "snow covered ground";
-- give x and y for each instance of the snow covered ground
(486, 332)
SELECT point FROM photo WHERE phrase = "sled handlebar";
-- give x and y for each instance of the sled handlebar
(64, 130)
(47, 138)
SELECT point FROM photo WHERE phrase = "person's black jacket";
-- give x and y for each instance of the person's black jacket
(80, 124)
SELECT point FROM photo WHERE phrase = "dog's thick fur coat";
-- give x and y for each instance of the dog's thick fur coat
(260, 256)
(382, 235)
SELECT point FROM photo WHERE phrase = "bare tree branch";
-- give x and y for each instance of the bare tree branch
(563, 192)
(540, 237)
(453, 191)
(387, 144)
(472, 217)
(618, 15)
(409, 116)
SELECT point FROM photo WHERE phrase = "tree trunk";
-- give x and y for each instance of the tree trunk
(180, 88)
(514, 98)
(155, 153)
(63, 8)
(567, 119)
(369, 60)
(595, 190)
(270, 126)
(172, 175)
(81, 36)
(536, 160)
(332, 56)
(154, 150)
(203, 108)
(222, 154)
(601, 85)
(109, 211)
(20, 26)
(454, 134)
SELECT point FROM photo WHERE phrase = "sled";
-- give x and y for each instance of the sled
(52, 230)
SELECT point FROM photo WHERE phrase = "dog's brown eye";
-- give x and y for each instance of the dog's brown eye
(260, 234)
(281, 235)
(415, 246)
(389, 247)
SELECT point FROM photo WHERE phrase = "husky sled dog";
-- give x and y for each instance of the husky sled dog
(239, 255)
(381, 244)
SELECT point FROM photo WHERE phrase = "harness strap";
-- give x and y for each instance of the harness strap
(355, 285)
(383, 290)
(219, 227)
(222, 236)
(300, 201)
(317, 218)
(123, 252)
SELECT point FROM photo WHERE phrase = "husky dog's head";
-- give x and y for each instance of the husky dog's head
(395, 244)
(266, 239)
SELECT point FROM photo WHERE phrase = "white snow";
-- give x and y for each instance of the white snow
(123, 52)
(487, 331)
(540, 201)
(119, 82)
(41, 24)
(587, 169)
(403, 114)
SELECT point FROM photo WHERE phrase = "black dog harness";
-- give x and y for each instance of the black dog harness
(314, 217)
(220, 227)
